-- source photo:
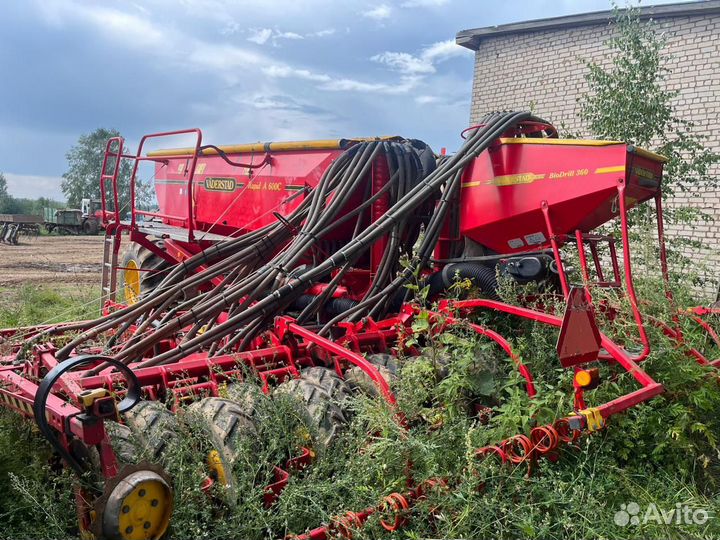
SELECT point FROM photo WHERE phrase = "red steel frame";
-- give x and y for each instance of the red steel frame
(294, 346)
(175, 251)
(117, 156)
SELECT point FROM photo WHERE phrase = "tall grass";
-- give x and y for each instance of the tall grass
(664, 452)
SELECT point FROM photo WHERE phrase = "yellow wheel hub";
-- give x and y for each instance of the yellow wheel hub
(132, 282)
(138, 508)
(216, 467)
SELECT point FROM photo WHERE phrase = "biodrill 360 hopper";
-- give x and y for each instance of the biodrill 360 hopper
(292, 260)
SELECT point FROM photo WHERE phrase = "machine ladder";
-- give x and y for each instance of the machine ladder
(112, 211)
(108, 283)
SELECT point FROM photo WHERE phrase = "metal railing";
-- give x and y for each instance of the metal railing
(189, 220)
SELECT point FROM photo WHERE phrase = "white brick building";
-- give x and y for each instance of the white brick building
(537, 64)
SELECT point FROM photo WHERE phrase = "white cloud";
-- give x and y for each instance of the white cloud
(33, 186)
(352, 85)
(230, 28)
(442, 50)
(263, 35)
(132, 30)
(285, 72)
(378, 13)
(128, 26)
(287, 35)
(426, 100)
(423, 3)
(404, 62)
(321, 33)
(342, 84)
(267, 102)
(221, 57)
(260, 35)
(424, 63)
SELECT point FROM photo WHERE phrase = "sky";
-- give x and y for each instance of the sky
(242, 71)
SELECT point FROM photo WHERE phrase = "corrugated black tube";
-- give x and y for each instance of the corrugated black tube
(481, 276)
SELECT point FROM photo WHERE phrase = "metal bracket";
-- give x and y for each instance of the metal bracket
(593, 419)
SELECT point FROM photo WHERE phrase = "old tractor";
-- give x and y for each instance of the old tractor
(84, 220)
(291, 260)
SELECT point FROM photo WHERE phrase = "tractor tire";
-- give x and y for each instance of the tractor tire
(90, 227)
(229, 429)
(337, 388)
(135, 281)
(320, 413)
(124, 443)
(154, 427)
(385, 360)
(359, 381)
(440, 360)
(246, 395)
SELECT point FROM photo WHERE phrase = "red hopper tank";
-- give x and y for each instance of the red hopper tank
(503, 190)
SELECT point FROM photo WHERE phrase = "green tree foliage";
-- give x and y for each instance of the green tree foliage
(3, 187)
(4, 195)
(82, 179)
(8, 205)
(629, 100)
(14, 205)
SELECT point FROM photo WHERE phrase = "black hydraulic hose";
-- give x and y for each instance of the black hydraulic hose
(393, 222)
(340, 305)
(494, 257)
(131, 398)
(137, 310)
(317, 302)
(224, 156)
(207, 256)
(432, 234)
(183, 268)
(125, 315)
(170, 299)
(264, 277)
(217, 269)
(229, 278)
(477, 142)
(481, 276)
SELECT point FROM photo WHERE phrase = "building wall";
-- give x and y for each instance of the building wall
(544, 71)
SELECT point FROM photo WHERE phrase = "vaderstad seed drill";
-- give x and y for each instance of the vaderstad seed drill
(290, 259)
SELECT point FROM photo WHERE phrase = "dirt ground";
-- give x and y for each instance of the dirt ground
(52, 260)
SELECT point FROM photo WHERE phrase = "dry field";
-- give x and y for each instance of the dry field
(50, 279)
(52, 260)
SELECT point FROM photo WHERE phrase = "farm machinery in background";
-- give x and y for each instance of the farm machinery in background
(14, 226)
(85, 220)
(292, 260)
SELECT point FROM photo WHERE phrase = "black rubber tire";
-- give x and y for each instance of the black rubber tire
(325, 419)
(155, 428)
(145, 260)
(439, 359)
(359, 381)
(230, 430)
(336, 387)
(246, 395)
(123, 442)
(385, 360)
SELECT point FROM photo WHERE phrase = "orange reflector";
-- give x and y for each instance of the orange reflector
(583, 378)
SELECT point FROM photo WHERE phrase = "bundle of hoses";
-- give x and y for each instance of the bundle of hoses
(264, 272)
